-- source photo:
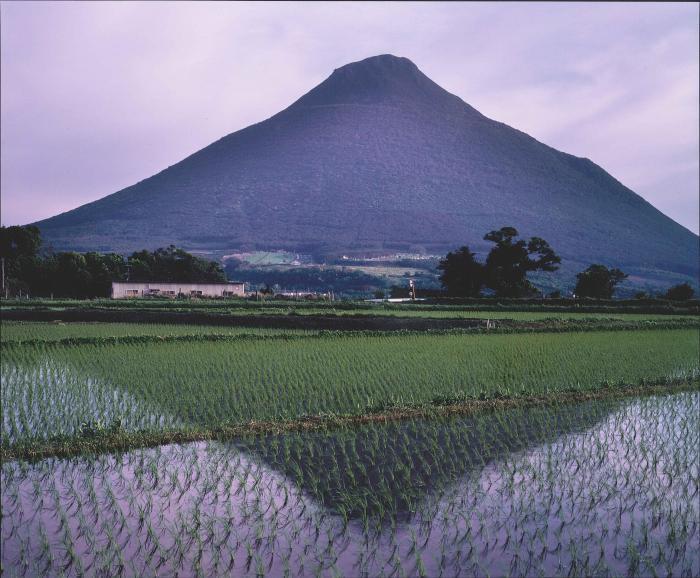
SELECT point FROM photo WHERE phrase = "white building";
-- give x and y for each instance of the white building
(126, 290)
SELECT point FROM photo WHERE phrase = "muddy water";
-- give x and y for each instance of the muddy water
(592, 489)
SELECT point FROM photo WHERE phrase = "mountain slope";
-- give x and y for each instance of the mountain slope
(380, 158)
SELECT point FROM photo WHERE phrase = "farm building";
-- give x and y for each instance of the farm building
(204, 290)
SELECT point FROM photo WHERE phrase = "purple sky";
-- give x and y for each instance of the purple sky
(98, 95)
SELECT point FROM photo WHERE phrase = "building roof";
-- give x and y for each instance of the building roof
(174, 283)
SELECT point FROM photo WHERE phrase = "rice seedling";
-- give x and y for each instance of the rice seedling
(13, 331)
(88, 390)
(606, 487)
(45, 398)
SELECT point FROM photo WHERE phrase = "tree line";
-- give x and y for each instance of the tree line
(30, 270)
(511, 259)
(27, 270)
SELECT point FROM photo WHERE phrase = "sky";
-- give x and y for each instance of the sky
(95, 96)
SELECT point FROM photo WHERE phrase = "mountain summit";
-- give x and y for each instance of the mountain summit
(381, 79)
(379, 158)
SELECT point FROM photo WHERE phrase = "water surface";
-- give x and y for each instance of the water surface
(606, 489)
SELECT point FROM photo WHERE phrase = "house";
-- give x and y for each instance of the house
(172, 290)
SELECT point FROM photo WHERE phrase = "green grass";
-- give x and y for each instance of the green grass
(267, 257)
(51, 389)
(30, 330)
(472, 314)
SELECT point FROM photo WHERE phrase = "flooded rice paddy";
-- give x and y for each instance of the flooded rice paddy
(51, 388)
(602, 488)
(48, 398)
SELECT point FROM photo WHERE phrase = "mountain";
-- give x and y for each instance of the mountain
(379, 158)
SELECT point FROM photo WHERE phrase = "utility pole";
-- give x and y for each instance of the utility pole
(4, 291)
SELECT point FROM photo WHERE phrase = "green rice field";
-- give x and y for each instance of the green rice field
(39, 331)
(52, 389)
(596, 489)
(579, 455)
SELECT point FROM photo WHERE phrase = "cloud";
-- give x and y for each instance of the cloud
(99, 95)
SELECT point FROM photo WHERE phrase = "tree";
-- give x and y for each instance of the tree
(72, 278)
(598, 282)
(103, 270)
(462, 275)
(173, 265)
(509, 262)
(18, 242)
(19, 250)
(681, 292)
(87, 275)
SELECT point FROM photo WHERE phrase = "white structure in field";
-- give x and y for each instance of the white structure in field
(126, 290)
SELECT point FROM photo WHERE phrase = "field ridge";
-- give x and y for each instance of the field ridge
(108, 441)
(346, 323)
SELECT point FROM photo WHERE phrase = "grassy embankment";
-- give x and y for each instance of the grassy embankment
(313, 318)
(523, 309)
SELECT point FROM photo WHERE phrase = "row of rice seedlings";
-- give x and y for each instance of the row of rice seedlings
(216, 383)
(598, 488)
(42, 398)
(30, 330)
(382, 473)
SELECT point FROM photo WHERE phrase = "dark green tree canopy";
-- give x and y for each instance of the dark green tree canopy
(506, 267)
(509, 262)
(19, 249)
(504, 235)
(598, 282)
(681, 292)
(462, 275)
(70, 274)
(173, 265)
(17, 242)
